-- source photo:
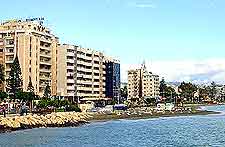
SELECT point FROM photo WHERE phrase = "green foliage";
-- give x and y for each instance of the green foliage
(59, 110)
(162, 87)
(30, 87)
(14, 81)
(2, 73)
(151, 101)
(187, 90)
(123, 92)
(170, 92)
(3, 95)
(204, 92)
(47, 92)
(73, 108)
(25, 96)
(213, 90)
(44, 103)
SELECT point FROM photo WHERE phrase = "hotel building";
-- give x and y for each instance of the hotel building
(36, 49)
(142, 84)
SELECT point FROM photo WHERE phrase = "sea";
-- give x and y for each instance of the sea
(178, 131)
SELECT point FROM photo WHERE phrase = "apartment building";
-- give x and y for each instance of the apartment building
(36, 48)
(112, 79)
(66, 71)
(90, 74)
(142, 83)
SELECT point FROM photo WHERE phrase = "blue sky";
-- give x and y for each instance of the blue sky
(159, 31)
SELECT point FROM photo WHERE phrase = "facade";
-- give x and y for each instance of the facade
(112, 79)
(90, 75)
(142, 84)
(66, 71)
(36, 49)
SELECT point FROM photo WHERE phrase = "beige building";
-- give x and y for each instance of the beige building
(36, 49)
(66, 71)
(142, 83)
(80, 73)
(90, 74)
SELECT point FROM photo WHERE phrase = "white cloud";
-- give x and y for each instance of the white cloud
(142, 5)
(145, 6)
(199, 71)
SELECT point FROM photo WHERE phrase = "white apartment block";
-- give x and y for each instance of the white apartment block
(142, 83)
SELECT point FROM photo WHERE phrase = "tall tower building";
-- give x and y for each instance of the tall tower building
(36, 48)
(112, 79)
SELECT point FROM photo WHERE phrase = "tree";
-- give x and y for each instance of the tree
(30, 87)
(14, 81)
(169, 93)
(47, 92)
(162, 87)
(2, 73)
(123, 92)
(31, 94)
(204, 92)
(187, 90)
(213, 91)
(3, 95)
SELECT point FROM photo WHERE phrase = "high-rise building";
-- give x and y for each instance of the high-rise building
(36, 49)
(112, 79)
(90, 74)
(66, 71)
(82, 73)
(142, 84)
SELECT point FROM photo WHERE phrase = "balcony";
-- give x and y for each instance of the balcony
(80, 56)
(45, 48)
(88, 58)
(88, 76)
(44, 54)
(85, 88)
(42, 85)
(45, 70)
(45, 62)
(43, 77)
(70, 60)
(70, 54)
(96, 65)
(70, 81)
(70, 67)
(9, 60)
(69, 74)
(88, 64)
(70, 93)
(70, 88)
(45, 40)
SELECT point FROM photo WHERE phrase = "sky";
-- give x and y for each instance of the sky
(180, 40)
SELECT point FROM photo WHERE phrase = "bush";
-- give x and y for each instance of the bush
(3, 95)
(73, 108)
(59, 110)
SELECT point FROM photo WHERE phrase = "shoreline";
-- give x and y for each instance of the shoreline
(104, 117)
(92, 117)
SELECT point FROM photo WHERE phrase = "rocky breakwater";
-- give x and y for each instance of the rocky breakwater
(59, 119)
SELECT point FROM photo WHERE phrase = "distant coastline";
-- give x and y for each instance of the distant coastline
(104, 117)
